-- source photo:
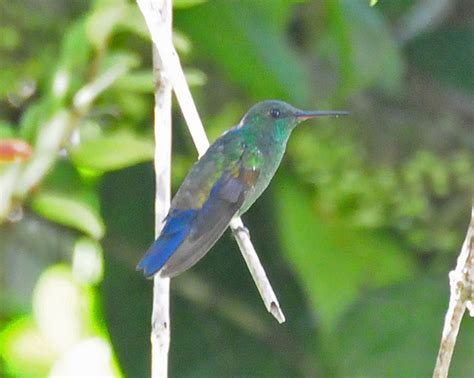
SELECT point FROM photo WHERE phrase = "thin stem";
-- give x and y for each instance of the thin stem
(461, 297)
(259, 276)
(159, 13)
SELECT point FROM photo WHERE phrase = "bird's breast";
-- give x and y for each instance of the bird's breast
(273, 154)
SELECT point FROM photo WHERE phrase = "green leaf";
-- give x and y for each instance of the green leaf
(102, 21)
(187, 3)
(75, 50)
(35, 116)
(64, 176)
(396, 332)
(24, 349)
(137, 81)
(125, 59)
(73, 62)
(70, 211)
(9, 38)
(251, 46)
(195, 77)
(6, 129)
(113, 151)
(134, 22)
(181, 42)
(333, 260)
(87, 261)
(133, 105)
(113, 67)
(110, 16)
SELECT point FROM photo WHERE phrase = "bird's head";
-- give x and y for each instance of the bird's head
(280, 117)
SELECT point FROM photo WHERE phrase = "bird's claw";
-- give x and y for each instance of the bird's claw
(243, 229)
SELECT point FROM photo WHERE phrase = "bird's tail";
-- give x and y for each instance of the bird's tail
(177, 227)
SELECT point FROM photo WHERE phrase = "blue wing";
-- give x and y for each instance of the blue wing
(200, 212)
(177, 227)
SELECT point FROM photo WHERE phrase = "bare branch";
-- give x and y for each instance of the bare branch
(242, 237)
(158, 14)
(461, 297)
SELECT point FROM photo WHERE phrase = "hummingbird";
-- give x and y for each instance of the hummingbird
(222, 184)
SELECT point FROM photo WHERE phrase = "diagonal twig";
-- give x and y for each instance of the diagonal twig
(461, 281)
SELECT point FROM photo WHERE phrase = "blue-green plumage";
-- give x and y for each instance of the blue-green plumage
(225, 182)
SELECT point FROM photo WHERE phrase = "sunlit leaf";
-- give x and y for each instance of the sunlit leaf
(91, 357)
(68, 210)
(24, 350)
(134, 22)
(34, 116)
(110, 70)
(61, 307)
(101, 23)
(113, 151)
(181, 42)
(108, 17)
(136, 81)
(87, 264)
(187, 3)
(195, 77)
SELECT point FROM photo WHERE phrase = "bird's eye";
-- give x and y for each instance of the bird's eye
(275, 113)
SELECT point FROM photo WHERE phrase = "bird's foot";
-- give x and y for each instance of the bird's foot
(243, 229)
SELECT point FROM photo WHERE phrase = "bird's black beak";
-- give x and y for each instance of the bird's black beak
(302, 115)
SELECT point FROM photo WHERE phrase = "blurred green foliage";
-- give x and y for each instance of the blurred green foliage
(357, 231)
